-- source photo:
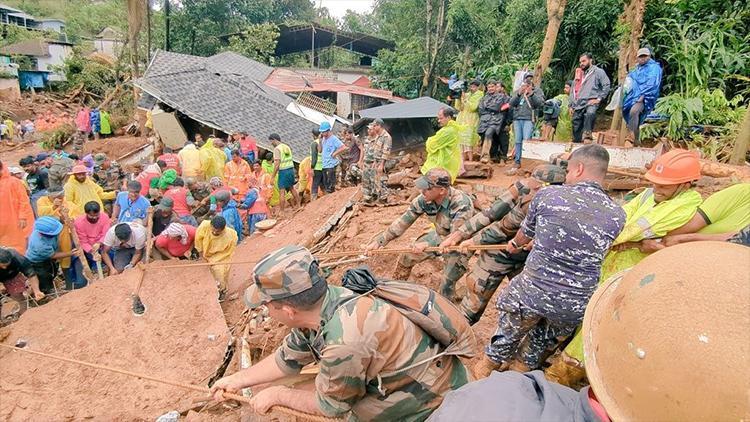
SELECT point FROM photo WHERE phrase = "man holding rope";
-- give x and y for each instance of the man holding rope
(365, 348)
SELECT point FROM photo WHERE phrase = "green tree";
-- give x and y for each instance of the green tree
(257, 42)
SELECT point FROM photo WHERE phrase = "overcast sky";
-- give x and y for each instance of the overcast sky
(338, 7)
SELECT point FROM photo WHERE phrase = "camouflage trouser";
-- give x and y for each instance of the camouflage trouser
(486, 275)
(454, 264)
(516, 321)
(353, 174)
(78, 140)
(373, 187)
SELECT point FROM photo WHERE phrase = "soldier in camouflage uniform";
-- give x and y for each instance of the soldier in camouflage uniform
(448, 209)
(109, 176)
(573, 227)
(365, 347)
(496, 225)
(201, 192)
(377, 150)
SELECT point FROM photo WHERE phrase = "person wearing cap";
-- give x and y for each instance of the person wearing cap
(720, 217)
(368, 352)
(572, 227)
(163, 216)
(468, 116)
(80, 189)
(54, 205)
(37, 179)
(44, 250)
(447, 209)
(18, 173)
(524, 103)
(216, 243)
(494, 226)
(237, 173)
(353, 172)
(377, 150)
(590, 88)
(316, 163)
(16, 215)
(175, 241)
(655, 212)
(18, 276)
(131, 205)
(493, 113)
(127, 241)
(283, 171)
(107, 174)
(190, 160)
(43, 160)
(228, 206)
(641, 90)
(442, 147)
(332, 147)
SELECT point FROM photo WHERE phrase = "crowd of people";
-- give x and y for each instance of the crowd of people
(89, 123)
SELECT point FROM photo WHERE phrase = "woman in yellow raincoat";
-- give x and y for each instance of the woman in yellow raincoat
(468, 116)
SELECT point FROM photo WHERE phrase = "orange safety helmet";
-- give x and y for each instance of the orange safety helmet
(675, 167)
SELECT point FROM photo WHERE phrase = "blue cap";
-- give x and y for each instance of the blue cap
(48, 225)
(324, 127)
(41, 156)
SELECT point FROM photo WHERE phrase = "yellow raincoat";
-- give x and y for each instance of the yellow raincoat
(645, 219)
(212, 161)
(79, 194)
(45, 207)
(443, 150)
(468, 115)
(190, 161)
(216, 249)
(564, 131)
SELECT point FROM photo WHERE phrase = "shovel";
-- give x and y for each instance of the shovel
(138, 307)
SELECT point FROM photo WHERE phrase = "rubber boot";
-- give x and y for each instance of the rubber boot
(566, 371)
(485, 155)
(401, 273)
(588, 137)
(484, 367)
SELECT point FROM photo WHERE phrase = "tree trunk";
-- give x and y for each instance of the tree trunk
(136, 12)
(632, 17)
(555, 11)
(436, 43)
(427, 45)
(741, 145)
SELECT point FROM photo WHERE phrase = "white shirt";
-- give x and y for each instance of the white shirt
(137, 237)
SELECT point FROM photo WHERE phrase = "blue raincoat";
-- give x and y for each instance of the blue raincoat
(642, 81)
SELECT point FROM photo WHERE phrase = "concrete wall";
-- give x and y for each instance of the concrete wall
(9, 89)
(110, 47)
(58, 54)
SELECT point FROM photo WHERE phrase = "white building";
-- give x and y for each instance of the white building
(45, 55)
(109, 42)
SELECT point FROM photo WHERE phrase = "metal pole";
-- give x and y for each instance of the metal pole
(166, 25)
(148, 31)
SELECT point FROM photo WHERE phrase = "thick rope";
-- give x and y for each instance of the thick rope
(186, 386)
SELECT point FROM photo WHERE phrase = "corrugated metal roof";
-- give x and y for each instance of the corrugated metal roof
(422, 107)
(290, 81)
(221, 92)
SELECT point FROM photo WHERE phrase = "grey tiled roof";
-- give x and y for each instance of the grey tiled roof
(226, 92)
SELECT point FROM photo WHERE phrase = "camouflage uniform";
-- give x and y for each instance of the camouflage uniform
(376, 152)
(111, 178)
(201, 191)
(447, 217)
(573, 227)
(364, 347)
(495, 226)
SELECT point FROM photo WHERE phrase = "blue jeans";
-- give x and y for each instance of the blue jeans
(522, 130)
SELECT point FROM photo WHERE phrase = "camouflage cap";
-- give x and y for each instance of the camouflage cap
(434, 177)
(281, 274)
(549, 173)
(100, 158)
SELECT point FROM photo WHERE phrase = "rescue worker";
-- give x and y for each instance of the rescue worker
(666, 206)
(496, 225)
(442, 147)
(642, 368)
(17, 217)
(109, 175)
(468, 116)
(236, 174)
(447, 209)
(721, 216)
(18, 277)
(283, 167)
(590, 88)
(190, 160)
(216, 244)
(572, 227)
(81, 189)
(375, 363)
(641, 90)
(377, 150)
(212, 158)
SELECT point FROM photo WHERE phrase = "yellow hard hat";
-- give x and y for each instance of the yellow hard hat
(670, 339)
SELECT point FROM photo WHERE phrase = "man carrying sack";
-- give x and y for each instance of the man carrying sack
(375, 361)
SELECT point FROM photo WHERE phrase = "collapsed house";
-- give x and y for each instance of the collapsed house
(410, 123)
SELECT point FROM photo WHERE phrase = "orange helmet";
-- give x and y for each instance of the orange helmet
(675, 167)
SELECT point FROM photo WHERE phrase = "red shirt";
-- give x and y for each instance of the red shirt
(173, 245)
(172, 161)
(248, 144)
(179, 197)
